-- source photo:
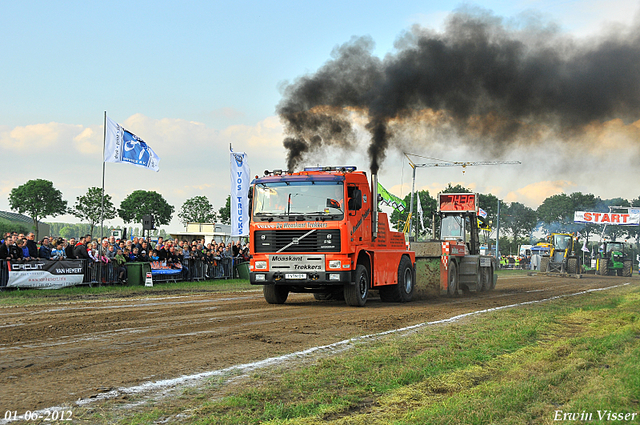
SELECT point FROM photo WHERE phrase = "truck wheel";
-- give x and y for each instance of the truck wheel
(572, 265)
(627, 268)
(492, 281)
(452, 285)
(486, 278)
(403, 291)
(275, 294)
(602, 267)
(356, 295)
(544, 264)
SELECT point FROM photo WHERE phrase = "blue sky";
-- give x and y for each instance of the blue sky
(191, 77)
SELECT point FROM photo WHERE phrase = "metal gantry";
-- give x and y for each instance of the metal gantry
(442, 163)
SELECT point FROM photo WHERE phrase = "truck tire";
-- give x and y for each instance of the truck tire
(572, 265)
(492, 281)
(452, 280)
(544, 264)
(401, 292)
(603, 270)
(356, 295)
(627, 268)
(275, 294)
(487, 279)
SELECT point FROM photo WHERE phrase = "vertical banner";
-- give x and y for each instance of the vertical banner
(240, 176)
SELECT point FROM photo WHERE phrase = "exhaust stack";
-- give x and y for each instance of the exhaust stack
(374, 206)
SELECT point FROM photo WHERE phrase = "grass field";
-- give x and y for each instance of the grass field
(573, 356)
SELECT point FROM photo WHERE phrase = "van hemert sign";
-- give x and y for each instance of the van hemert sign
(632, 218)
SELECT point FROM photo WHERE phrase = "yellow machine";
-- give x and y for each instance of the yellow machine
(563, 256)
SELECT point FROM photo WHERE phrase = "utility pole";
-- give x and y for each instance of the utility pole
(498, 232)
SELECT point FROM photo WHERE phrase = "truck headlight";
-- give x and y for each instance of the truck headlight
(334, 264)
(260, 277)
(261, 265)
(334, 276)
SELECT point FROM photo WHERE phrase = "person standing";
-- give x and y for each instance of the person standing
(31, 245)
(69, 250)
(45, 249)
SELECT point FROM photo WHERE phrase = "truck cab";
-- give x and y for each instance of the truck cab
(318, 231)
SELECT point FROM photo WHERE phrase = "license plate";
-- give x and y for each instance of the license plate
(295, 276)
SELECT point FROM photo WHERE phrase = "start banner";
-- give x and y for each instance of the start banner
(44, 274)
(632, 218)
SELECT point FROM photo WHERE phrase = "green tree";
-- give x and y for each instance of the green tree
(68, 232)
(225, 212)
(140, 203)
(88, 207)
(455, 189)
(197, 210)
(556, 209)
(39, 199)
(519, 220)
(428, 204)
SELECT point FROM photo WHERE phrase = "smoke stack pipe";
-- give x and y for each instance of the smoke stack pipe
(374, 206)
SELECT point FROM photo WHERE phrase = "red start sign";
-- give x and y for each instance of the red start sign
(457, 202)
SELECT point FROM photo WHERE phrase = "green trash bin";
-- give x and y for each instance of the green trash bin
(242, 270)
(134, 274)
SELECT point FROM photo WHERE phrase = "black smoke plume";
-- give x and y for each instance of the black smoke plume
(489, 82)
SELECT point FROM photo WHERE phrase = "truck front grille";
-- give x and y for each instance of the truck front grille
(316, 240)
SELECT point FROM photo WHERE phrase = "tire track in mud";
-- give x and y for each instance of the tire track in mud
(52, 356)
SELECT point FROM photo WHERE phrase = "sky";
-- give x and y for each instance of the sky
(192, 78)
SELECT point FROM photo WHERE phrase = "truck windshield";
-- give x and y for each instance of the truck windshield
(452, 227)
(299, 198)
(561, 242)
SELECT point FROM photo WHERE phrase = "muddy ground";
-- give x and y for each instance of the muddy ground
(55, 354)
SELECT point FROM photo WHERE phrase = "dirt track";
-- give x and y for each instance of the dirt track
(51, 355)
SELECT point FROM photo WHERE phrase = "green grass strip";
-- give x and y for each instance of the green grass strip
(514, 366)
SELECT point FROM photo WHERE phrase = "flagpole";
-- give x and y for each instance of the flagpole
(104, 142)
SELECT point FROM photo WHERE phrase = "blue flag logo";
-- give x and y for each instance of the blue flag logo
(135, 150)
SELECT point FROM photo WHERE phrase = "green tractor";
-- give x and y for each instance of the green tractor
(562, 258)
(614, 260)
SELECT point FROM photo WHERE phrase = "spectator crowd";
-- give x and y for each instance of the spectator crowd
(216, 257)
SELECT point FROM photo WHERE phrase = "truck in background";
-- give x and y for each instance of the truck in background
(455, 263)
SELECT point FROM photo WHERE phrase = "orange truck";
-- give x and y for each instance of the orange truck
(319, 231)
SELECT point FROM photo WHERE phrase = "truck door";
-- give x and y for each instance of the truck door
(359, 211)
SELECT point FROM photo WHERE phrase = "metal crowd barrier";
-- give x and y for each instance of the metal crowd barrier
(4, 274)
(96, 274)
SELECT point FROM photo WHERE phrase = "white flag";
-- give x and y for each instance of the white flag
(240, 176)
(121, 145)
(420, 214)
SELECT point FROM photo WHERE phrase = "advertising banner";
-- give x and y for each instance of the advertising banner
(240, 179)
(632, 218)
(45, 274)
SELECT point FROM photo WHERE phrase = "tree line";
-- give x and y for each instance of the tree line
(40, 199)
